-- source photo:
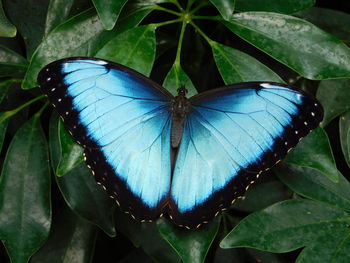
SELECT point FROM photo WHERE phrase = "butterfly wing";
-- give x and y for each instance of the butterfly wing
(123, 121)
(230, 136)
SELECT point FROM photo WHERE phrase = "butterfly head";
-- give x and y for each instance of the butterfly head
(182, 91)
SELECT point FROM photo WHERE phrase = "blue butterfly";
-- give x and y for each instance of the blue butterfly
(158, 154)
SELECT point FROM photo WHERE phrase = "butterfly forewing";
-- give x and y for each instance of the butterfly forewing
(123, 121)
(230, 136)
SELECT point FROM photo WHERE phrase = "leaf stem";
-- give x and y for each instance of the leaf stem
(38, 114)
(160, 8)
(179, 46)
(210, 42)
(9, 114)
(167, 22)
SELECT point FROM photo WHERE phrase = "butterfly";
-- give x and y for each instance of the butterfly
(157, 154)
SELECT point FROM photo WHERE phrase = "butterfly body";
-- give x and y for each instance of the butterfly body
(158, 154)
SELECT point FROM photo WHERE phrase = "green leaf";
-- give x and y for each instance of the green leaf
(29, 17)
(262, 195)
(225, 7)
(72, 239)
(344, 133)
(236, 66)
(146, 236)
(313, 185)
(25, 211)
(334, 96)
(54, 142)
(298, 44)
(277, 6)
(4, 87)
(314, 151)
(333, 247)
(286, 226)
(337, 23)
(177, 78)
(71, 152)
(87, 199)
(6, 28)
(11, 63)
(3, 128)
(134, 48)
(57, 12)
(76, 35)
(108, 11)
(191, 245)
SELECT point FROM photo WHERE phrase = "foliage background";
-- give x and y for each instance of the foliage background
(51, 210)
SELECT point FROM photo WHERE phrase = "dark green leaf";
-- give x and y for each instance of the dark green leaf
(25, 211)
(71, 152)
(177, 78)
(4, 87)
(332, 21)
(146, 236)
(277, 6)
(6, 28)
(72, 239)
(3, 128)
(87, 199)
(108, 11)
(29, 17)
(11, 63)
(236, 66)
(225, 7)
(344, 132)
(74, 37)
(286, 226)
(294, 42)
(134, 48)
(313, 185)
(314, 151)
(57, 12)
(54, 142)
(260, 196)
(191, 245)
(334, 96)
(333, 247)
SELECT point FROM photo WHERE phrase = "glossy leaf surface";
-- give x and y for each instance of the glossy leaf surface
(108, 11)
(303, 221)
(278, 6)
(314, 151)
(134, 48)
(225, 7)
(236, 66)
(298, 44)
(314, 185)
(71, 152)
(344, 132)
(87, 199)
(71, 240)
(177, 78)
(192, 246)
(7, 29)
(11, 63)
(25, 217)
(337, 22)
(334, 96)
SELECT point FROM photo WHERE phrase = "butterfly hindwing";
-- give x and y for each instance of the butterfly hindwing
(230, 136)
(123, 121)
